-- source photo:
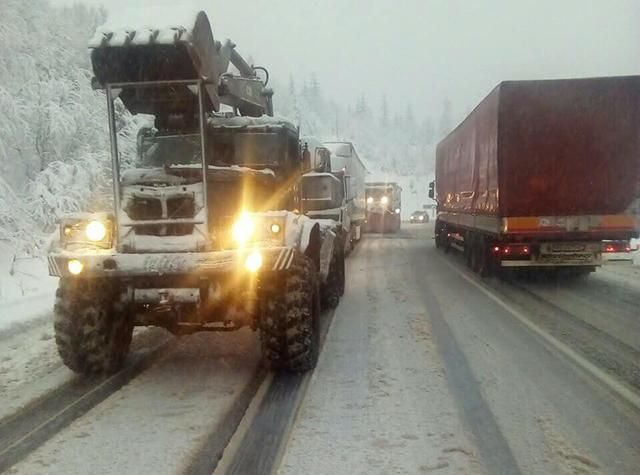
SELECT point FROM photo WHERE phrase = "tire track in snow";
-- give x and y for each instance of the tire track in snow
(494, 449)
(265, 436)
(599, 347)
(25, 431)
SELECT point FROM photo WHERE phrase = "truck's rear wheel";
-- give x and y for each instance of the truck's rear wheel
(92, 330)
(290, 320)
(479, 256)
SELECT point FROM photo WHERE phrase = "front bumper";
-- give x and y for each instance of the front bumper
(108, 263)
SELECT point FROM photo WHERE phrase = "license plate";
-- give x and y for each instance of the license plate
(568, 247)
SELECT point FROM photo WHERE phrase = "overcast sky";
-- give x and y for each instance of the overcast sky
(421, 51)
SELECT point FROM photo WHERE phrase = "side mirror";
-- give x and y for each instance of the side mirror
(432, 192)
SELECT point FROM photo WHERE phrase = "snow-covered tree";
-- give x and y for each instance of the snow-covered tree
(53, 128)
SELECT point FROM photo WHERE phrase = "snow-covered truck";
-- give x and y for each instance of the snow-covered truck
(543, 174)
(325, 194)
(203, 236)
(384, 207)
(347, 166)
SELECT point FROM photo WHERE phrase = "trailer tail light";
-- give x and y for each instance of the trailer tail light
(512, 250)
(616, 246)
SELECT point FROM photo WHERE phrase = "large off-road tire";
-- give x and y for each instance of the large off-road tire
(290, 319)
(93, 332)
(333, 288)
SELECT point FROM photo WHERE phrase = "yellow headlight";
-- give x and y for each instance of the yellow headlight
(275, 228)
(370, 200)
(243, 229)
(384, 200)
(96, 231)
(253, 262)
(75, 266)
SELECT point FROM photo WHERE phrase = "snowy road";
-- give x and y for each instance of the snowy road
(509, 402)
(425, 369)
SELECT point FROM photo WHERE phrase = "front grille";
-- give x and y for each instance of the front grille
(181, 207)
(165, 230)
(141, 209)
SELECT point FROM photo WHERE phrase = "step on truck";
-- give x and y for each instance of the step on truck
(203, 235)
(384, 207)
(542, 174)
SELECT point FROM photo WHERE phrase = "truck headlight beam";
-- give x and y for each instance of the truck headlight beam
(253, 262)
(96, 231)
(75, 266)
(243, 229)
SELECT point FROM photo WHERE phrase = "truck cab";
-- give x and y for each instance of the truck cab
(384, 207)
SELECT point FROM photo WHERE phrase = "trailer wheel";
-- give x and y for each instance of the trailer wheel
(290, 320)
(92, 329)
(479, 258)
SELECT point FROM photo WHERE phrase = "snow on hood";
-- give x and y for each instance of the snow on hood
(159, 175)
(250, 122)
(136, 176)
(239, 169)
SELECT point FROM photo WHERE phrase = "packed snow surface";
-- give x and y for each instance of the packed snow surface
(378, 401)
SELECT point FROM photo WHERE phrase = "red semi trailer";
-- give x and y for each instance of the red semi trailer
(544, 174)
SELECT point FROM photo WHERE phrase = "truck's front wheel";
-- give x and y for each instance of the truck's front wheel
(290, 320)
(92, 330)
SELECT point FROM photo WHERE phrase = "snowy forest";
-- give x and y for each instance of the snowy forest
(53, 129)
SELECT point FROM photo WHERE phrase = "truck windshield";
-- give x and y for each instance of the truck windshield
(167, 150)
(250, 149)
(321, 192)
(377, 193)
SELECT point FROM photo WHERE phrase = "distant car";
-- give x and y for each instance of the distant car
(419, 217)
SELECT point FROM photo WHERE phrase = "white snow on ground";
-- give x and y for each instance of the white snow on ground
(378, 401)
(26, 290)
(155, 423)
(30, 366)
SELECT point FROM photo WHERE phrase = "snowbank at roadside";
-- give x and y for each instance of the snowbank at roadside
(26, 289)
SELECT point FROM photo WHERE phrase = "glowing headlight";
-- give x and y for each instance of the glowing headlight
(96, 231)
(370, 200)
(421, 218)
(397, 210)
(253, 261)
(243, 229)
(384, 200)
(275, 228)
(75, 266)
